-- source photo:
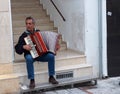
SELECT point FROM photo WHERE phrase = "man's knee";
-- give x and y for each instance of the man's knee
(51, 56)
(29, 58)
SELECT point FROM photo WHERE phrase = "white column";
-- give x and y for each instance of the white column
(6, 39)
(104, 39)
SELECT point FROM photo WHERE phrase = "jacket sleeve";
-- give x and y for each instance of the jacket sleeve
(19, 46)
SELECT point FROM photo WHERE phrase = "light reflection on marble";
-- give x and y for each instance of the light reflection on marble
(60, 55)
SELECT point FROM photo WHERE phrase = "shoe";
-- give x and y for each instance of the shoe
(32, 84)
(52, 80)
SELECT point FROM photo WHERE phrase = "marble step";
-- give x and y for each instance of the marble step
(28, 14)
(17, 30)
(44, 19)
(9, 84)
(13, 1)
(20, 32)
(16, 34)
(25, 4)
(39, 22)
(46, 86)
(63, 58)
(21, 17)
(16, 37)
(62, 73)
(27, 10)
(6, 68)
(63, 46)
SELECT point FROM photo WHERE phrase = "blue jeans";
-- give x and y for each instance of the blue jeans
(49, 57)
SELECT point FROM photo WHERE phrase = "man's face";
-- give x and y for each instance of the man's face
(29, 25)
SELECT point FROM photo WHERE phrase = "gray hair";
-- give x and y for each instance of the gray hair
(30, 18)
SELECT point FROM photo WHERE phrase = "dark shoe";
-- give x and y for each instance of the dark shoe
(32, 84)
(52, 80)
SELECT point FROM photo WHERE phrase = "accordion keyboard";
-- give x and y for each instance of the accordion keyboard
(33, 50)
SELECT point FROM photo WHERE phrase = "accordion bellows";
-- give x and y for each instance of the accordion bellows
(42, 42)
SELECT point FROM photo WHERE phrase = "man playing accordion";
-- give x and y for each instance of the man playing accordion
(22, 47)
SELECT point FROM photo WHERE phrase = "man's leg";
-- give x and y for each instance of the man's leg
(50, 58)
(30, 69)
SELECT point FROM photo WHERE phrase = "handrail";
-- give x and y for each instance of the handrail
(58, 10)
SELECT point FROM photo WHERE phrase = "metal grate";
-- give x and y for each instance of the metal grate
(64, 75)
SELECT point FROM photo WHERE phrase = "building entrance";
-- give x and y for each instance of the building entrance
(113, 37)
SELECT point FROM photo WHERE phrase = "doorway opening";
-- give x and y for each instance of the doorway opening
(113, 37)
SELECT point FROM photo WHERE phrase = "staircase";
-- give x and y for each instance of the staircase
(9, 81)
(69, 63)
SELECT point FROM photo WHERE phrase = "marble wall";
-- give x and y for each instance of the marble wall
(6, 41)
(73, 29)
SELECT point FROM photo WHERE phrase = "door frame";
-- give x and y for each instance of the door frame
(102, 38)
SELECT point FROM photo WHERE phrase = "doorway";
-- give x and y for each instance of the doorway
(113, 37)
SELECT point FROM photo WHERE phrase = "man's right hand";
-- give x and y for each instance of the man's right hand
(27, 47)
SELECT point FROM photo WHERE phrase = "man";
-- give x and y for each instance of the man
(21, 47)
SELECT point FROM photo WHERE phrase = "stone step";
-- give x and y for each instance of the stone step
(13, 1)
(6, 68)
(23, 1)
(21, 17)
(62, 73)
(21, 9)
(61, 54)
(17, 30)
(16, 37)
(20, 32)
(25, 4)
(63, 58)
(63, 46)
(39, 22)
(27, 10)
(28, 14)
(62, 83)
(9, 84)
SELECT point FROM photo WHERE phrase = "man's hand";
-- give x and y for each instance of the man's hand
(27, 47)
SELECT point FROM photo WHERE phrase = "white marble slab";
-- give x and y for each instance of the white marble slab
(4, 5)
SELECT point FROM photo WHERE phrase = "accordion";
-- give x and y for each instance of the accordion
(42, 42)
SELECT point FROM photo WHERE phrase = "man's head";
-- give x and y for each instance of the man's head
(30, 23)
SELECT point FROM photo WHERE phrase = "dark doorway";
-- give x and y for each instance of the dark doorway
(113, 37)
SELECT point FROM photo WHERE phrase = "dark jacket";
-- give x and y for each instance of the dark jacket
(19, 46)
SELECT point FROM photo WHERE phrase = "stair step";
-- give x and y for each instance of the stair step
(42, 28)
(23, 1)
(46, 86)
(8, 76)
(18, 32)
(16, 37)
(25, 5)
(27, 10)
(61, 55)
(21, 17)
(63, 46)
(20, 4)
(39, 22)
(9, 84)
(63, 58)
(40, 66)
(6, 68)
(18, 16)
(77, 71)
